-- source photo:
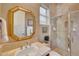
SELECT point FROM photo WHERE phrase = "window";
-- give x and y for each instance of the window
(43, 16)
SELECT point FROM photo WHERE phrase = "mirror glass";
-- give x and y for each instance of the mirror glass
(23, 24)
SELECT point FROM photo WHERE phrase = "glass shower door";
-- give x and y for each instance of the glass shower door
(59, 34)
(74, 19)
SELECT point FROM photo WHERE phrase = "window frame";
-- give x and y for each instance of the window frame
(45, 16)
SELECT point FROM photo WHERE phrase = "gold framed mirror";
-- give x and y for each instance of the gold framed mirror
(21, 23)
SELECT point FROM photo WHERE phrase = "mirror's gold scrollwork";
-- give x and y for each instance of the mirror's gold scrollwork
(21, 23)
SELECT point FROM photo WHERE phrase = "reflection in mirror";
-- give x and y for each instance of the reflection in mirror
(29, 24)
(23, 23)
(19, 23)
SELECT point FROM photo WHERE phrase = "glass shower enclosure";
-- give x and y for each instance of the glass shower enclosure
(65, 33)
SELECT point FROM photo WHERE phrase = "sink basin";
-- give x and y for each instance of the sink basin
(36, 49)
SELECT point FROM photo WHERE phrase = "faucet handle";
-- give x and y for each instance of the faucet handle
(28, 43)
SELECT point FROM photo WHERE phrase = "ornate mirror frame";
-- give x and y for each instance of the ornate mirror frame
(10, 24)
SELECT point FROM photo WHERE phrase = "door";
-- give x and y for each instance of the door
(53, 32)
(59, 34)
(74, 19)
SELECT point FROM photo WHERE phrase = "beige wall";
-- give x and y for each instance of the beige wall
(34, 8)
(0, 9)
(74, 6)
(61, 8)
(53, 9)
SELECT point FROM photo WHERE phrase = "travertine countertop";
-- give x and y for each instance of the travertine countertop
(11, 46)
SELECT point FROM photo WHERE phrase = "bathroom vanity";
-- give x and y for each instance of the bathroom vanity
(10, 48)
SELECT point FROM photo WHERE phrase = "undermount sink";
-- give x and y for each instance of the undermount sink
(36, 49)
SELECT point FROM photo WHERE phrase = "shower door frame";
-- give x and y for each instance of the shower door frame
(70, 38)
(70, 29)
(68, 16)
